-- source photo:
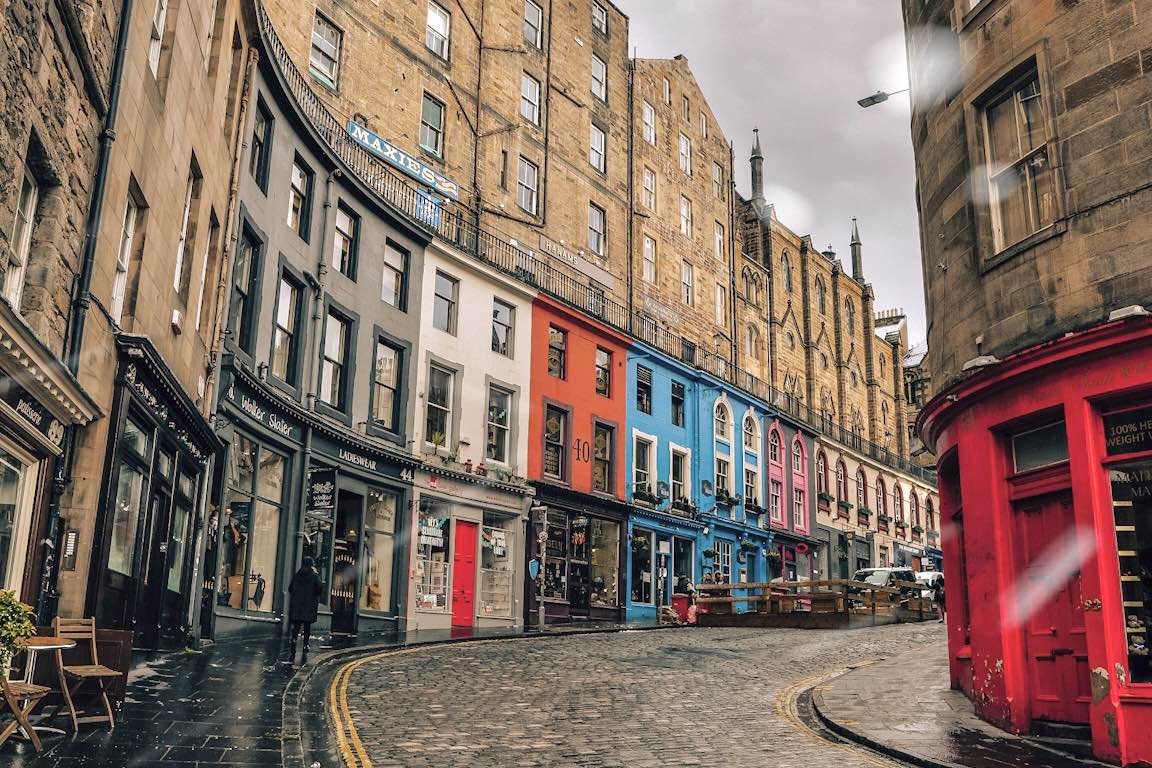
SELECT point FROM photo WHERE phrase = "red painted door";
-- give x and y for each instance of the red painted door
(1048, 604)
(464, 575)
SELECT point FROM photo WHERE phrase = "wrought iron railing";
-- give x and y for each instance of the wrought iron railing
(455, 225)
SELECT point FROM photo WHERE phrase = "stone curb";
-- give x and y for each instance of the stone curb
(291, 742)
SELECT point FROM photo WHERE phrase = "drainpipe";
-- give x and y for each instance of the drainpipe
(547, 120)
(82, 298)
(477, 134)
(631, 188)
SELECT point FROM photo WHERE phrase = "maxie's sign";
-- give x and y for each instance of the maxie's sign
(403, 161)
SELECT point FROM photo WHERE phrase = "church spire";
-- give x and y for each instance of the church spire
(857, 258)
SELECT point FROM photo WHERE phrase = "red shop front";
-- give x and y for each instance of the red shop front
(1046, 493)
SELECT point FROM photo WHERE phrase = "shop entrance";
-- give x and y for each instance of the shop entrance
(345, 550)
(1050, 610)
(464, 575)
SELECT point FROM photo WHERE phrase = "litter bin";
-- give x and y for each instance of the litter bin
(680, 603)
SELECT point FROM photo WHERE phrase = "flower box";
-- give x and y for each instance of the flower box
(827, 498)
(848, 505)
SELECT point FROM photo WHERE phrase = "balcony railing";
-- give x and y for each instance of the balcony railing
(456, 225)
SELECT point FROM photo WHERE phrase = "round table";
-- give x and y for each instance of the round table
(33, 646)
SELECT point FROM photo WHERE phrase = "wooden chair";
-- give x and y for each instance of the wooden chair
(21, 699)
(74, 676)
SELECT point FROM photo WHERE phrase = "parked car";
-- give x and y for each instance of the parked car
(928, 581)
(883, 577)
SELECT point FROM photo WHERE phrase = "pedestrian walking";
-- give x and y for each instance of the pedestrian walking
(938, 596)
(303, 602)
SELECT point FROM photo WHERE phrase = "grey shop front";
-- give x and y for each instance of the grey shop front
(292, 484)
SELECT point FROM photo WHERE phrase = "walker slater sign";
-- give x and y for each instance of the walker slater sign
(1128, 432)
(321, 490)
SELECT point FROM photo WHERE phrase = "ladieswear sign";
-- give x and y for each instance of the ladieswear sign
(402, 160)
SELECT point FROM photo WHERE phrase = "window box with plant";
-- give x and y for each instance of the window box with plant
(683, 505)
(826, 498)
(15, 628)
(709, 553)
(901, 524)
(747, 545)
(752, 507)
(642, 492)
(917, 529)
(864, 512)
(726, 499)
(884, 517)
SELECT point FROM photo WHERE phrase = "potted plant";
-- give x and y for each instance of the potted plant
(845, 504)
(683, 504)
(774, 555)
(709, 553)
(642, 492)
(723, 497)
(747, 545)
(825, 497)
(884, 517)
(864, 511)
(15, 627)
(752, 507)
(640, 543)
(917, 529)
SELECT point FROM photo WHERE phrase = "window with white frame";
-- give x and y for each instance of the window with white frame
(445, 297)
(648, 190)
(555, 431)
(721, 305)
(533, 24)
(1022, 186)
(156, 39)
(751, 486)
(527, 178)
(679, 475)
(499, 424)
(666, 91)
(324, 60)
(344, 241)
(599, 18)
(775, 490)
(797, 457)
(642, 451)
(881, 500)
(179, 283)
(529, 98)
(774, 447)
(395, 269)
(438, 406)
(723, 422)
(649, 256)
(439, 30)
(861, 489)
(124, 259)
(300, 200)
(841, 483)
(687, 283)
(599, 78)
(334, 363)
(603, 459)
(685, 216)
(503, 315)
(799, 512)
(751, 433)
(685, 108)
(432, 125)
(718, 241)
(703, 125)
(648, 121)
(723, 470)
(20, 243)
(597, 148)
(718, 181)
(821, 473)
(723, 562)
(596, 227)
(685, 154)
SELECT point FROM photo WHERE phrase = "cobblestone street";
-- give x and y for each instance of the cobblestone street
(675, 697)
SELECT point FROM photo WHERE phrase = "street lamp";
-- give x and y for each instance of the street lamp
(878, 98)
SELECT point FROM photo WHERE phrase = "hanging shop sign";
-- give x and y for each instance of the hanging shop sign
(1128, 432)
(401, 160)
(321, 489)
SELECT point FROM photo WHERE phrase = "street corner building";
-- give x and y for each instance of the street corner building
(1034, 193)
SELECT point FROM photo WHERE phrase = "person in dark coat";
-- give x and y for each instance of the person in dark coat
(938, 596)
(303, 602)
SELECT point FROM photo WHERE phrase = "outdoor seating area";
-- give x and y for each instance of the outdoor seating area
(816, 604)
(76, 682)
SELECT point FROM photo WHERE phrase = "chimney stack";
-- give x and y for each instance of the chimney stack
(857, 258)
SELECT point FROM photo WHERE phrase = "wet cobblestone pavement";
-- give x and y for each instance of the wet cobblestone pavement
(690, 697)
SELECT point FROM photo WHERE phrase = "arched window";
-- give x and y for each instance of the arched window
(884, 412)
(914, 507)
(820, 297)
(786, 271)
(723, 422)
(752, 342)
(797, 456)
(746, 279)
(799, 484)
(751, 433)
(755, 292)
(850, 316)
(930, 515)
(881, 501)
(821, 473)
(841, 482)
(881, 367)
(898, 502)
(774, 446)
(861, 489)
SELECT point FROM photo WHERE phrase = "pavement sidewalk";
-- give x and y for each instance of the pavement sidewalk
(232, 703)
(904, 706)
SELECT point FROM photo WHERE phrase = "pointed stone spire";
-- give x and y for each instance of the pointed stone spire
(757, 168)
(857, 258)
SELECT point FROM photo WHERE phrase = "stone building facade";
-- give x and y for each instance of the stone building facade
(1034, 183)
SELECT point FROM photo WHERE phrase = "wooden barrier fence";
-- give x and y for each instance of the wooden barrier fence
(846, 598)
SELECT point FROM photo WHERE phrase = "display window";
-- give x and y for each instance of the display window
(604, 563)
(253, 508)
(1132, 511)
(379, 549)
(641, 578)
(497, 565)
(433, 559)
(556, 561)
(16, 490)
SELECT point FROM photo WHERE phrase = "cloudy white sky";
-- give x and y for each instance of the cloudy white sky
(795, 68)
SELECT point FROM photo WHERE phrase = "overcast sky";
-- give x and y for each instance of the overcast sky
(795, 68)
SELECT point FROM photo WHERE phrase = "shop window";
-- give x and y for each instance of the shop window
(300, 199)
(432, 555)
(603, 372)
(386, 386)
(324, 60)
(11, 483)
(683, 564)
(602, 458)
(497, 565)
(334, 364)
(677, 404)
(345, 241)
(555, 430)
(533, 24)
(1040, 447)
(251, 530)
(557, 352)
(395, 276)
(640, 577)
(444, 301)
(723, 562)
(438, 413)
(604, 563)
(285, 334)
(644, 389)
(379, 547)
(499, 425)
(135, 456)
(1132, 510)
(884, 561)
(556, 557)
